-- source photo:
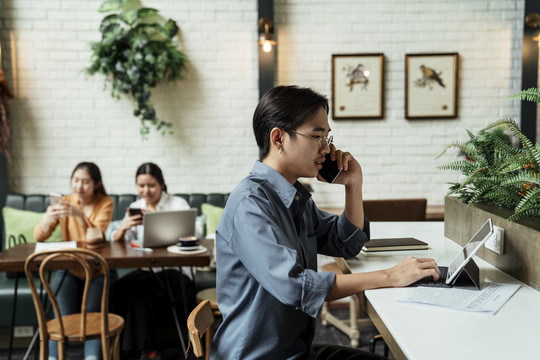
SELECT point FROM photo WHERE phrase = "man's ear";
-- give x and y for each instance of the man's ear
(276, 137)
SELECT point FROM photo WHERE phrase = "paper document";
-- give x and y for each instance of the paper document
(490, 299)
(42, 246)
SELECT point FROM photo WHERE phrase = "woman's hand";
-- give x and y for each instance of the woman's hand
(54, 213)
(131, 221)
(74, 210)
(412, 269)
(57, 212)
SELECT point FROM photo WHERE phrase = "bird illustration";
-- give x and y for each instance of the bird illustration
(358, 76)
(430, 75)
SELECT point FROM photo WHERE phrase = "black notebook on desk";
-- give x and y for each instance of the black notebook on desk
(394, 244)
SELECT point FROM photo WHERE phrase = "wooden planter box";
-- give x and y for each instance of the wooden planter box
(521, 256)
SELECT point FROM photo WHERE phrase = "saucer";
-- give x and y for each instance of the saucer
(189, 248)
(175, 249)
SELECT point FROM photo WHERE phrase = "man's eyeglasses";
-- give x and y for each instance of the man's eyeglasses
(323, 140)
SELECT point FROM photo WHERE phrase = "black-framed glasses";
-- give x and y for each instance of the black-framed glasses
(323, 140)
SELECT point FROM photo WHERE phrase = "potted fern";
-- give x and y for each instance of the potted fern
(498, 173)
(502, 182)
(137, 51)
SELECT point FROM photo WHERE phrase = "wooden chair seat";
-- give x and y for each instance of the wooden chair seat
(72, 328)
(209, 294)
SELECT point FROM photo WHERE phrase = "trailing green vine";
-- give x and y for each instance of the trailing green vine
(136, 52)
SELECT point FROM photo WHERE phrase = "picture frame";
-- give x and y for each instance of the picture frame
(431, 86)
(357, 86)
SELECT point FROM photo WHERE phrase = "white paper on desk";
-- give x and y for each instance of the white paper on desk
(489, 299)
(57, 245)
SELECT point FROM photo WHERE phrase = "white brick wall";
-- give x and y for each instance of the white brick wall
(60, 117)
(398, 155)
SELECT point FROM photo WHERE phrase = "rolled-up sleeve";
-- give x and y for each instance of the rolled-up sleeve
(339, 238)
(316, 287)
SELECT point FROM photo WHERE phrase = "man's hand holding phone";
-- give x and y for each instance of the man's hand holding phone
(344, 169)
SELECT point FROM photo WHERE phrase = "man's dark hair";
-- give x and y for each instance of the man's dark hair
(287, 108)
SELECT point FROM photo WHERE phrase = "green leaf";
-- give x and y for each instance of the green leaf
(112, 5)
(111, 33)
(129, 16)
(171, 28)
(146, 12)
(108, 20)
(531, 94)
(139, 41)
(149, 58)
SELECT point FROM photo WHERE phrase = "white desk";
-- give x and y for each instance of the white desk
(419, 332)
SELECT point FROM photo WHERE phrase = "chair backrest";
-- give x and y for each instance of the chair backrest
(92, 264)
(199, 320)
(342, 265)
(395, 209)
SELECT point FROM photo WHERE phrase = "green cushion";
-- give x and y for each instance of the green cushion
(213, 215)
(23, 222)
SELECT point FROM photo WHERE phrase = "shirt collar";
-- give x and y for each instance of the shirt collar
(162, 201)
(281, 186)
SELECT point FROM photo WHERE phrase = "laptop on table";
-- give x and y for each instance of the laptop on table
(462, 271)
(166, 227)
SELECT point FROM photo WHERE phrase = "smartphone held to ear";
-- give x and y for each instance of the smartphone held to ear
(329, 170)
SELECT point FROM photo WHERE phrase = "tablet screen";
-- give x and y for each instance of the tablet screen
(470, 249)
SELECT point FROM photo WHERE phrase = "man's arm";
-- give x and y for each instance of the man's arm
(351, 176)
(354, 204)
(402, 274)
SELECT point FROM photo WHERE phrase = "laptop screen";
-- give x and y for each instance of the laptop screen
(471, 248)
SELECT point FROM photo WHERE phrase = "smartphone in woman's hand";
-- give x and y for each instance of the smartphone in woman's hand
(56, 199)
(134, 211)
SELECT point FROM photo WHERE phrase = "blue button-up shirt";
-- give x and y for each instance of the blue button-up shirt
(268, 287)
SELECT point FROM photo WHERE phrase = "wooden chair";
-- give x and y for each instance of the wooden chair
(198, 322)
(80, 326)
(375, 210)
(209, 294)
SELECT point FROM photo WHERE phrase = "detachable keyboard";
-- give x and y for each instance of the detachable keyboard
(428, 280)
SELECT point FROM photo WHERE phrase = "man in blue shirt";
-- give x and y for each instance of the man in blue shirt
(268, 287)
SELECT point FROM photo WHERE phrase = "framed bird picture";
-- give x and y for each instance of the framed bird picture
(431, 90)
(357, 86)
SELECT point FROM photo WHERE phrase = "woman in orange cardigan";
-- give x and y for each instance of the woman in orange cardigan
(88, 207)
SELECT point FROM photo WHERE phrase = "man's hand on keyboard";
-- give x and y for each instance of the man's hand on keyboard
(413, 269)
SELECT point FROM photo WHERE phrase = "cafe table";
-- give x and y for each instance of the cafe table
(118, 255)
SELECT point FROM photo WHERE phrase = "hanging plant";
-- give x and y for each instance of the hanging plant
(136, 52)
